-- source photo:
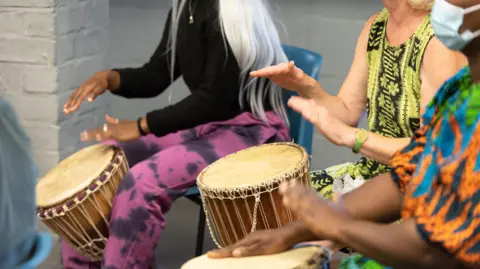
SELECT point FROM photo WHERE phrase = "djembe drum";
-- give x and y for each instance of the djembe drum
(312, 257)
(240, 191)
(75, 198)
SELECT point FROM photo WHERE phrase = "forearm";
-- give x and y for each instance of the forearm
(396, 245)
(377, 147)
(314, 90)
(113, 80)
(142, 82)
(298, 231)
(378, 200)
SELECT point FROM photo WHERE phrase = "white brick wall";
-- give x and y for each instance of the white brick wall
(47, 49)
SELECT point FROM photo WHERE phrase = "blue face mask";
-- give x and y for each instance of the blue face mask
(446, 20)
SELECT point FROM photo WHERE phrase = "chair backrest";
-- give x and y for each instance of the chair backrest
(42, 247)
(310, 62)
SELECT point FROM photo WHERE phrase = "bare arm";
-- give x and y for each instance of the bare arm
(438, 65)
(382, 148)
(377, 147)
(360, 204)
(398, 245)
(350, 102)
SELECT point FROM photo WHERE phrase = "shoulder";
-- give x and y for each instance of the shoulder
(375, 18)
(364, 36)
(437, 52)
(437, 55)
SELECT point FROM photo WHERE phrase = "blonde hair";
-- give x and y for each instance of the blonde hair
(421, 4)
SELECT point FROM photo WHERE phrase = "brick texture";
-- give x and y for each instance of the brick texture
(47, 49)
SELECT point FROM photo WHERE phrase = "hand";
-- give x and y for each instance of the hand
(328, 125)
(285, 75)
(91, 89)
(320, 216)
(122, 131)
(264, 242)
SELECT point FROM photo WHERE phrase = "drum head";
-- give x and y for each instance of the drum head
(253, 166)
(73, 174)
(286, 260)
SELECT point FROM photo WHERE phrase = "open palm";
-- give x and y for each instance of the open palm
(285, 75)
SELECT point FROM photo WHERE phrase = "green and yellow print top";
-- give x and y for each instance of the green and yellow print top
(394, 83)
(393, 96)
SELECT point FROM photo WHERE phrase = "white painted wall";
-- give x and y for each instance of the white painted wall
(47, 48)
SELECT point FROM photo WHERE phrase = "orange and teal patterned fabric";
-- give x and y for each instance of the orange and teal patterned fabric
(439, 172)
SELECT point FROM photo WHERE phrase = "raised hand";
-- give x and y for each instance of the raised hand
(285, 75)
(327, 124)
(91, 89)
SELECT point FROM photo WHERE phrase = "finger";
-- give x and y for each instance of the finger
(71, 100)
(226, 252)
(293, 197)
(105, 133)
(311, 112)
(89, 135)
(84, 94)
(271, 70)
(85, 136)
(291, 67)
(297, 103)
(252, 250)
(111, 120)
(92, 95)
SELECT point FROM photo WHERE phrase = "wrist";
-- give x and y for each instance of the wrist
(113, 79)
(142, 126)
(309, 88)
(297, 232)
(349, 137)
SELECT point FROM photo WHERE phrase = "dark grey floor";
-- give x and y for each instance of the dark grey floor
(177, 244)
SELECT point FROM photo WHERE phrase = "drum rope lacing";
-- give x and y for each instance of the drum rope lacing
(244, 192)
(81, 238)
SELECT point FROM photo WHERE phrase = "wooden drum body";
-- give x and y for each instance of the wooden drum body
(313, 257)
(240, 191)
(75, 198)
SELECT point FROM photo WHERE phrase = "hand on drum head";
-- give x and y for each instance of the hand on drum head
(122, 131)
(320, 216)
(263, 242)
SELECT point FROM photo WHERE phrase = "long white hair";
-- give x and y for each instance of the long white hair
(249, 29)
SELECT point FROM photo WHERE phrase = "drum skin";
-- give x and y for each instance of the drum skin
(311, 257)
(240, 191)
(77, 209)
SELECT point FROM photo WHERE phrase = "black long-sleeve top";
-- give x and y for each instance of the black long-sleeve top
(207, 64)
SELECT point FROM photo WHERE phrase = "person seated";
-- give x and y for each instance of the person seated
(18, 175)
(434, 184)
(213, 45)
(393, 76)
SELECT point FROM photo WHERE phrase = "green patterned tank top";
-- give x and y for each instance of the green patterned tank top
(394, 86)
(393, 97)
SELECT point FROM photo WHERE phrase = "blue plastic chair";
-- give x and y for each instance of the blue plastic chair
(301, 130)
(42, 247)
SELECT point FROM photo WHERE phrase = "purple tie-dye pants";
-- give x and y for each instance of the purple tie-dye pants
(162, 168)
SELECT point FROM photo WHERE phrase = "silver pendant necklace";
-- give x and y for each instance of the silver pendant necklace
(190, 19)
